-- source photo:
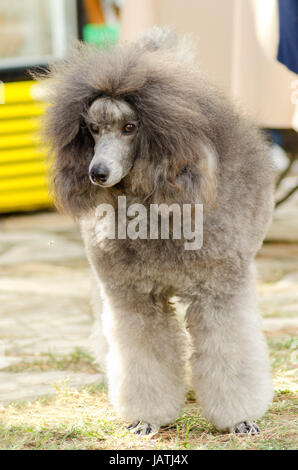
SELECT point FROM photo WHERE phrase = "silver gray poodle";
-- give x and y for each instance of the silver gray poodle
(139, 120)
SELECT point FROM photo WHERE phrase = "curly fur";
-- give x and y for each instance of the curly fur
(191, 146)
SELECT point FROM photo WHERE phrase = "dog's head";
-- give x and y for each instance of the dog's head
(113, 124)
(135, 118)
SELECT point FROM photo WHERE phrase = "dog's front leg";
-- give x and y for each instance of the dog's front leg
(145, 365)
(230, 361)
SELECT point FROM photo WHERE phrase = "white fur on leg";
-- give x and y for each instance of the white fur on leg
(230, 364)
(145, 364)
(99, 341)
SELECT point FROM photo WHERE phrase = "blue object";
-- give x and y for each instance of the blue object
(288, 34)
(276, 137)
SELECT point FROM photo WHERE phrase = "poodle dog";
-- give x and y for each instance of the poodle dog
(139, 120)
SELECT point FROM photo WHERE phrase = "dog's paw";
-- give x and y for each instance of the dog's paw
(245, 427)
(142, 429)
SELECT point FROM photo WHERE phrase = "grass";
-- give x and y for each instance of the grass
(77, 361)
(283, 354)
(83, 419)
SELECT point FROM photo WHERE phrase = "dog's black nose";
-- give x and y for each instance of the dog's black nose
(99, 174)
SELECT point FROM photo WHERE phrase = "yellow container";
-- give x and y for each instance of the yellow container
(23, 168)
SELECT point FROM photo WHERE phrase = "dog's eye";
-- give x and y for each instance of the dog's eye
(129, 128)
(94, 128)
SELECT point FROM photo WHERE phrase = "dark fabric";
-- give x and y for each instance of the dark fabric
(288, 34)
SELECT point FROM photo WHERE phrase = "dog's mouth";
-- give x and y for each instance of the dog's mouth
(119, 185)
(104, 179)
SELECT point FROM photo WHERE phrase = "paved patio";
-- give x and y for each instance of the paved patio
(44, 295)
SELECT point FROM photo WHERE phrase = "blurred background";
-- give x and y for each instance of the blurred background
(246, 47)
(237, 48)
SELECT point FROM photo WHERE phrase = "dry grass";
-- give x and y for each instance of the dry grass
(83, 419)
(77, 361)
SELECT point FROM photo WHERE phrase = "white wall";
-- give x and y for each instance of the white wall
(228, 50)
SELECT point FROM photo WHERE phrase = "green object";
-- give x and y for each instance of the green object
(101, 34)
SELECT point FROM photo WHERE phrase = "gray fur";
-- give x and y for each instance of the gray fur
(190, 146)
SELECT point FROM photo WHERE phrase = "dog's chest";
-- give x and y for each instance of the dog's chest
(141, 261)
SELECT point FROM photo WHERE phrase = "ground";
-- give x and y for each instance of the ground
(51, 391)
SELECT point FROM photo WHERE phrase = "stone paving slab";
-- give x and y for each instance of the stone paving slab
(34, 323)
(30, 246)
(277, 266)
(280, 326)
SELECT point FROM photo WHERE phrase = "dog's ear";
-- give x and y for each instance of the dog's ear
(182, 179)
(69, 174)
(69, 141)
(190, 180)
